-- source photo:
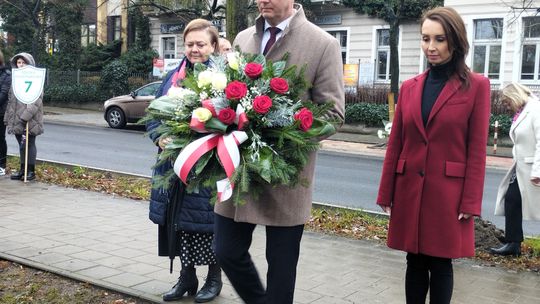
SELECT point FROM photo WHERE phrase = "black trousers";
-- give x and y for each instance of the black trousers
(3, 144)
(32, 150)
(513, 216)
(232, 241)
(428, 273)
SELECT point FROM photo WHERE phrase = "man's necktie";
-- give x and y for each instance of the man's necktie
(273, 33)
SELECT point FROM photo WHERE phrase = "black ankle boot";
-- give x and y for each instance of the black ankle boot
(18, 175)
(187, 282)
(512, 248)
(31, 174)
(212, 286)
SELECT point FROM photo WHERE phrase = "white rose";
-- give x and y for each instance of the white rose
(204, 79)
(232, 59)
(219, 81)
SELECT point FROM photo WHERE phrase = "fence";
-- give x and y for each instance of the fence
(135, 80)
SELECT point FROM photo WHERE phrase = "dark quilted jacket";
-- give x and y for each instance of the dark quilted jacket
(196, 213)
(5, 85)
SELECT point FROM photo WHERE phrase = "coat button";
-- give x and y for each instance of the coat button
(421, 173)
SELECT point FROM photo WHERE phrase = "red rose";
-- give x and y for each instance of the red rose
(253, 70)
(279, 85)
(305, 116)
(261, 104)
(236, 90)
(227, 116)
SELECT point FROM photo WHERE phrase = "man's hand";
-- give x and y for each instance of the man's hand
(535, 181)
(387, 209)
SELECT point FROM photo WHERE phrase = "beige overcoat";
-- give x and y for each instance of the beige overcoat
(308, 44)
(525, 133)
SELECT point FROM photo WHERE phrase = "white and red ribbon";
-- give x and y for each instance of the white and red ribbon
(227, 151)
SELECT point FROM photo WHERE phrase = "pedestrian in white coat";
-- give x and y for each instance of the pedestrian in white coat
(518, 197)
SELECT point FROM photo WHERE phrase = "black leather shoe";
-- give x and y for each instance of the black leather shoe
(17, 175)
(187, 282)
(212, 287)
(30, 176)
(512, 248)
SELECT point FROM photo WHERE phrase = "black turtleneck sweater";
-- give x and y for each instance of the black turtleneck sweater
(437, 77)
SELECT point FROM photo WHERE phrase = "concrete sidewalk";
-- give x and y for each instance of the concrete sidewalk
(109, 241)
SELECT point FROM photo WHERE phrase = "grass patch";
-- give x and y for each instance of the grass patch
(532, 245)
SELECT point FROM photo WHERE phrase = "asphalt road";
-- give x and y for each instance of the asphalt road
(340, 179)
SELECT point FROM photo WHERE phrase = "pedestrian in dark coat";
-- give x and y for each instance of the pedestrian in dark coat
(20, 115)
(433, 173)
(186, 220)
(5, 85)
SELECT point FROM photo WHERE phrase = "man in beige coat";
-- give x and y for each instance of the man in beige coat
(283, 210)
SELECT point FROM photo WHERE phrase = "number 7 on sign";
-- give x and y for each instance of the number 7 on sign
(29, 83)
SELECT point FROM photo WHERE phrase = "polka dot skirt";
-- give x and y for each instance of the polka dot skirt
(196, 248)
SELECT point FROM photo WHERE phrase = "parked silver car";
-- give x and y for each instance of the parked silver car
(120, 110)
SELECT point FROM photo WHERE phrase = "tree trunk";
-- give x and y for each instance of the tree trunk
(394, 57)
(237, 15)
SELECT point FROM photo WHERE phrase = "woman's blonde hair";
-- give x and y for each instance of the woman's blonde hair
(204, 25)
(517, 94)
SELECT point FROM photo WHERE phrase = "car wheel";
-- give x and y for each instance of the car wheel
(116, 118)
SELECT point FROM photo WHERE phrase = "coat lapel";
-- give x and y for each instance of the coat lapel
(520, 118)
(416, 102)
(450, 88)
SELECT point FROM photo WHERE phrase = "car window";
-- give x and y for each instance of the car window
(149, 90)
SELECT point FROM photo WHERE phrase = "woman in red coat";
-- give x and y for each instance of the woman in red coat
(433, 173)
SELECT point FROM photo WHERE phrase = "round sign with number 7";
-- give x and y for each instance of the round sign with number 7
(27, 83)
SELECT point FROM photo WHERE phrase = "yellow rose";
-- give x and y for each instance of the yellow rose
(219, 81)
(204, 79)
(202, 114)
(232, 59)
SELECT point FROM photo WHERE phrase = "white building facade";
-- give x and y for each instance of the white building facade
(505, 41)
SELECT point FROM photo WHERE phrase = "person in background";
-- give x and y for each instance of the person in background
(281, 28)
(224, 46)
(518, 197)
(433, 173)
(186, 219)
(17, 116)
(5, 85)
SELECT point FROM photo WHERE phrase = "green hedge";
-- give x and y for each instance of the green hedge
(370, 114)
(73, 93)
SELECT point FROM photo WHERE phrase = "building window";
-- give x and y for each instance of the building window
(114, 28)
(88, 34)
(168, 45)
(117, 29)
(530, 60)
(341, 37)
(382, 61)
(487, 47)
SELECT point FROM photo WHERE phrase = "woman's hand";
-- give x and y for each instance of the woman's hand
(535, 181)
(387, 209)
(464, 216)
(163, 141)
